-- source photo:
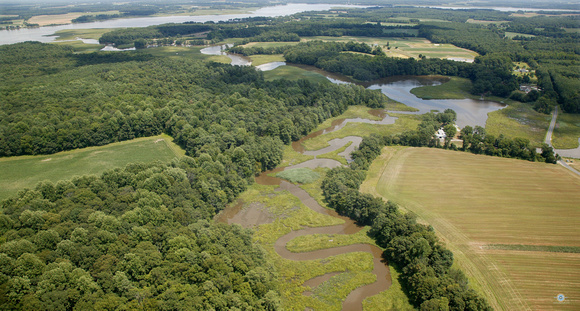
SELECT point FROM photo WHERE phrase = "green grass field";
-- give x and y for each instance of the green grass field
(513, 34)
(406, 47)
(294, 73)
(187, 52)
(473, 201)
(269, 44)
(567, 131)
(26, 171)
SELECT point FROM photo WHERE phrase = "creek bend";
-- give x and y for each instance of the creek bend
(232, 215)
(469, 112)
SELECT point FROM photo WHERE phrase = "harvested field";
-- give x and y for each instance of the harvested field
(474, 200)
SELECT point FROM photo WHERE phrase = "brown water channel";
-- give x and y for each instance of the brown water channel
(354, 300)
(255, 215)
(338, 143)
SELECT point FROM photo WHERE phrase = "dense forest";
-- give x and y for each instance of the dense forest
(141, 236)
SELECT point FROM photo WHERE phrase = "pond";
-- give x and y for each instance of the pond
(469, 111)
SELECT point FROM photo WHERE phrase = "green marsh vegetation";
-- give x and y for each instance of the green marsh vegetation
(299, 175)
(567, 131)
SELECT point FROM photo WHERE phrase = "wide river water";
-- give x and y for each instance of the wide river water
(43, 34)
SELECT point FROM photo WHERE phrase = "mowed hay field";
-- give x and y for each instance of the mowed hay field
(481, 206)
(407, 47)
(26, 171)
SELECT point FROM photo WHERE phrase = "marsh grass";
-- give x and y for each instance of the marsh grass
(301, 175)
(392, 299)
(334, 154)
(567, 131)
(322, 241)
(455, 88)
(519, 120)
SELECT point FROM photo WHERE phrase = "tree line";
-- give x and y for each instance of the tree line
(141, 236)
(474, 140)
(56, 100)
(425, 264)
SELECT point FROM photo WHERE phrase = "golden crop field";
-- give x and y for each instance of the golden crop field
(507, 221)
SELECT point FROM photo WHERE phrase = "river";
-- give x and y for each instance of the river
(44, 34)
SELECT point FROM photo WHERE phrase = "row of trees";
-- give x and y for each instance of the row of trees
(414, 249)
(475, 140)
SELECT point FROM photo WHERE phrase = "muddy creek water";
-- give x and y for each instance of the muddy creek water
(251, 216)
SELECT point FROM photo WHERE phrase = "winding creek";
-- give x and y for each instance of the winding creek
(469, 112)
(232, 215)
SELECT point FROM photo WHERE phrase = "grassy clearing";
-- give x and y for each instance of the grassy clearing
(567, 131)
(406, 47)
(79, 46)
(57, 19)
(519, 120)
(497, 201)
(485, 23)
(26, 171)
(268, 44)
(403, 123)
(294, 73)
(301, 175)
(187, 52)
(72, 34)
(455, 88)
(70, 37)
(258, 60)
(511, 35)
